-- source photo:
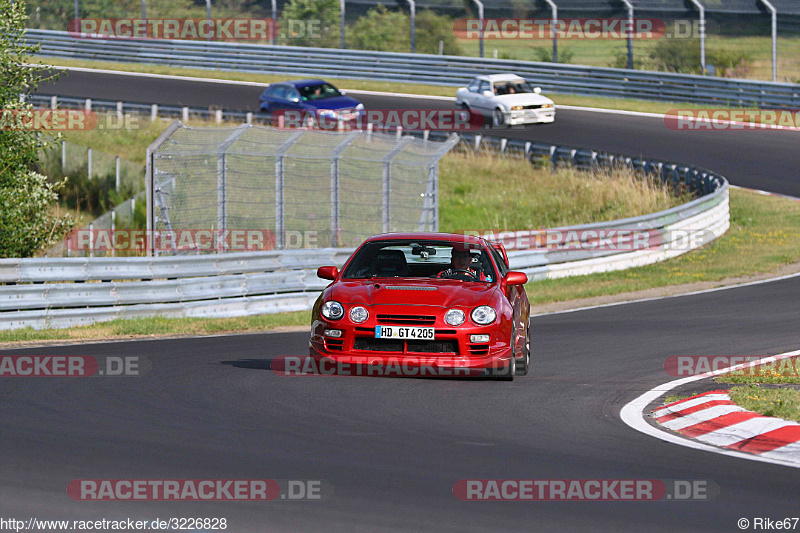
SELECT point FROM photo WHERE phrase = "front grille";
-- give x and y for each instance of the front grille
(378, 345)
(533, 106)
(408, 320)
(432, 346)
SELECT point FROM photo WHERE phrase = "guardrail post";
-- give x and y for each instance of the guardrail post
(335, 189)
(149, 182)
(222, 185)
(249, 118)
(63, 156)
(53, 102)
(280, 155)
(554, 157)
(503, 144)
(116, 173)
(113, 229)
(413, 5)
(185, 114)
(387, 181)
(218, 116)
(431, 202)
(89, 163)
(88, 105)
(153, 112)
(119, 112)
(341, 24)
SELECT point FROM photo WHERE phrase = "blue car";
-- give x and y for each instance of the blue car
(314, 98)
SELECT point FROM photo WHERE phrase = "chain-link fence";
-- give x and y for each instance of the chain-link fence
(286, 189)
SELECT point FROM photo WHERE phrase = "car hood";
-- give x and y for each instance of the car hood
(400, 291)
(523, 99)
(336, 102)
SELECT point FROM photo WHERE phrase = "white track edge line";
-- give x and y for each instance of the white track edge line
(633, 414)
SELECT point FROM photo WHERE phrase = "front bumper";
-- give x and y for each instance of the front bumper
(355, 350)
(530, 116)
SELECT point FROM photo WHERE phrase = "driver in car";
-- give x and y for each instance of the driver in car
(460, 261)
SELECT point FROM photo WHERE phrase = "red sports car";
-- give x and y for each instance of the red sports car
(425, 304)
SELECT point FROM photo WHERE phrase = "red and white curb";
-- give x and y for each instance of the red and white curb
(714, 419)
(633, 414)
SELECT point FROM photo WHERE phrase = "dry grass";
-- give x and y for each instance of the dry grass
(486, 191)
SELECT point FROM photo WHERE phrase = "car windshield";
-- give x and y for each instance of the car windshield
(513, 87)
(318, 92)
(422, 259)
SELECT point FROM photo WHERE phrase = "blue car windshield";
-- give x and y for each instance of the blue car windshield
(318, 92)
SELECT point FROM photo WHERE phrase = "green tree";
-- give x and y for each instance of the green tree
(312, 23)
(390, 31)
(26, 221)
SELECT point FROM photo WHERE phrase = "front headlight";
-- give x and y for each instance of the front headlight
(360, 107)
(483, 315)
(327, 113)
(517, 108)
(547, 106)
(455, 317)
(358, 314)
(332, 310)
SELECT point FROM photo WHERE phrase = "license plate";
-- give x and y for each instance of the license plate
(402, 332)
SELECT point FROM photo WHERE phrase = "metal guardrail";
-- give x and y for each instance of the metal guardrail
(420, 68)
(69, 292)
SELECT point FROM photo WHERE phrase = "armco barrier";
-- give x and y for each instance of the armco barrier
(420, 68)
(66, 292)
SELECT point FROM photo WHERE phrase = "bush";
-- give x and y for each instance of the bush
(95, 196)
(545, 55)
(26, 222)
(389, 31)
(326, 34)
(683, 56)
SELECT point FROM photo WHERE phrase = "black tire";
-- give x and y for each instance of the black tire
(507, 373)
(523, 366)
(498, 119)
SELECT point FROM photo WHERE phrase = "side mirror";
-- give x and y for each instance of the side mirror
(537, 90)
(330, 272)
(516, 278)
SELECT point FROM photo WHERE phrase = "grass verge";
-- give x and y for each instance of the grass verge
(779, 372)
(160, 326)
(764, 235)
(778, 402)
(624, 104)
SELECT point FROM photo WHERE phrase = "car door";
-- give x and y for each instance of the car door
(482, 102)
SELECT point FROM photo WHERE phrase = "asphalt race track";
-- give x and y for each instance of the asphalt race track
(761, 159)
(392, 449)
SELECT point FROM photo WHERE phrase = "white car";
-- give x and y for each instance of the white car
(508, 99)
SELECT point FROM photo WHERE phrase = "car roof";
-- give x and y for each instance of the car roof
(298, 84)
(508, 76)
(450, 237)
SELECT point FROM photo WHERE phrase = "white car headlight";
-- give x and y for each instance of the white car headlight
(455, 317)
(360, 107)
(358, 314)
(483, 315)
(332, 310)
(547, 106)
(327, 113)
(517, 108)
